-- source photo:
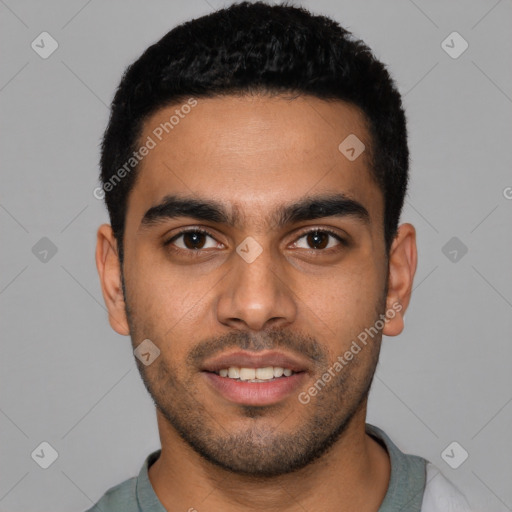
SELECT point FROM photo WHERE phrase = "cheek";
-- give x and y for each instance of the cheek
(345, 303)
(156, 285)
(168, 304)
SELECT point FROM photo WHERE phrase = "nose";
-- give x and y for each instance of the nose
(256, 295)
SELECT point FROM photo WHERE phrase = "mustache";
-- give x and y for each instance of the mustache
(300, 343)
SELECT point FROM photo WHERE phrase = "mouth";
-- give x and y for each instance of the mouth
(255, 379)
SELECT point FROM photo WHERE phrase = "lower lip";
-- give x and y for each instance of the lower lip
(255, 393)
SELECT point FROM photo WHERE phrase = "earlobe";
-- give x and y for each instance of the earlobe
(402, 267)
(109, 271)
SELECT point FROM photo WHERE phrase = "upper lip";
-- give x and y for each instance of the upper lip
(245, 359)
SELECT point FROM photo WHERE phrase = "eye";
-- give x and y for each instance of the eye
(319, 239)
(193, 240)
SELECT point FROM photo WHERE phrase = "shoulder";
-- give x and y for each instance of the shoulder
(441, 495)
(120, 498)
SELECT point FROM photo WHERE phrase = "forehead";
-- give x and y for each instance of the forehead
(252, 153)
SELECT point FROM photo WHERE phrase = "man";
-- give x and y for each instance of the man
(254, 169)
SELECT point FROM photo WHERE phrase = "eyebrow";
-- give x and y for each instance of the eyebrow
(308, 208)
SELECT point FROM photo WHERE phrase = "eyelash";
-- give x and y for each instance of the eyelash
(194, 252)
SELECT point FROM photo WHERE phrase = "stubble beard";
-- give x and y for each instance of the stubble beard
(260, 450)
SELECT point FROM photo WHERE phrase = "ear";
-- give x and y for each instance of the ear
(403, 259)
(109, 270)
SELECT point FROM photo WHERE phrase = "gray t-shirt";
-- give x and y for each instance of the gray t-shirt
(405, 491)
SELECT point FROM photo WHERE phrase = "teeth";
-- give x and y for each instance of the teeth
(255, 374)
(278, 371)
(265, 373)
(247, 373)
(233, 372)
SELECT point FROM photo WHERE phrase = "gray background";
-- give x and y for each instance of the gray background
(69, 380)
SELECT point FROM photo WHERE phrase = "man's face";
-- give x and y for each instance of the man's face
(255, 283)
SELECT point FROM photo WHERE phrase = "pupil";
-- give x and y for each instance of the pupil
(318, 239)
(193, 240)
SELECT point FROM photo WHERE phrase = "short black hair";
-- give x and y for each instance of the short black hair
(257, 48)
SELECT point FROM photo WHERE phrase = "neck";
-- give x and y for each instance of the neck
(352, 475)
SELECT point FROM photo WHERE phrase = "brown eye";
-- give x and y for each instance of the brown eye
(319, 239)
(193, 240)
